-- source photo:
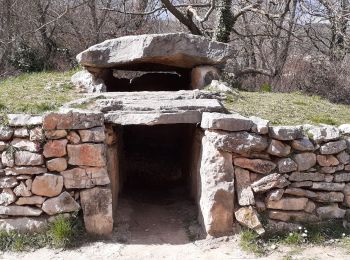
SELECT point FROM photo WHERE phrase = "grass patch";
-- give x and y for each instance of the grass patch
(249, 242)
(289, 108)
(62, 233)
(36, 93)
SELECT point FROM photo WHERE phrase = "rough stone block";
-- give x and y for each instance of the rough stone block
(87, 155)
(227, 122)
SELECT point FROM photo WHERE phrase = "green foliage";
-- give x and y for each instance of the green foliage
(266, 87)
(249, 242)
(323, 119)
(27, 59)
(294, 238)
(61, 232)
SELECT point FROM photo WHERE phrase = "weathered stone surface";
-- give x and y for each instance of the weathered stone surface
(5, 133)
(111, 135)
(330, 212)
(310, 207)
(81, 178)
(33, 200)
(87, 155)
(227, 122)
(48, 185)
(85, 82)
(23, 189)
(323, 133)
(57, 165)
(347, 167)
(202, 76)
(21, 132)
(36, 134)
(216, 198)
(97, 209)
(305, 161)
(25, 170)
(303, 145)
(329, 197)
(328, 186)
(23, 225)
(346, 193)
(8, 182)
(329, 178)
(55, 134)
(7, 197)
(344, 129)
(333, 169)
(19, 211)
(179, 50)
(287, 204)
(26, 145)
(333, 147)
(60, 204)
(73, 137)
(256, 165)
(285, 133)
(287, 165)
(55, 148)
(248, 217)
(287, 216)
(301, 192)
(72, 120)
(327, 160)
(24, 120)
(275, 194)
(24, 158)
(240, 142)
(342, 177)
(3, 146)
(7, 159)
(278, 148)
(244, 192)
(306, 176)
(93, 135)
(260, 126)
(301, 184)
(270, 181)
(343, 157)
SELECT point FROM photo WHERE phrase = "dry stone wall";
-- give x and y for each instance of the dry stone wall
(289, 174)
(54, 165)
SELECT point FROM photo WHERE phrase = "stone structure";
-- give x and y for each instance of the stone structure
(238, 168)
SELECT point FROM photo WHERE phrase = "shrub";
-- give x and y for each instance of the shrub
(27, 59)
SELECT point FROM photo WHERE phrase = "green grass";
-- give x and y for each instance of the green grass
(249, 242)
(62, 233)
(36, 93)
(289, 108)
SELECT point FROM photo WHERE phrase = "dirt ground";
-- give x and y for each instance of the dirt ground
(167, 230)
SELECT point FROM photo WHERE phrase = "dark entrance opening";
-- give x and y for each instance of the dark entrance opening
(155, 176)
(119, 81)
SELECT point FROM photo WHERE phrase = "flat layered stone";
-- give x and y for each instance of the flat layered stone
(24, 120)
(21, 132)
(301, 193)
(23, 225)
(32, 200)
(260, 126)
(342, 177)
(269, 182)
(275, 194)
(330, 212)
(286, 133)
(244, 192)
(23, 189)
(87, 155)
(323, 133)
(20, 211)
(239, 142)
(86, 82)
(344, 129)
(287, 204)
(8, 182)
(329, 197)
(25, 170)
(292, 216)
(301, 184)
(333, 147)
(249, 218)
(306, 176)
(256, 165)
(93, 135)
(305, 161)
(55, 134)
(97, 210)
(343, 157)
(7, 159)
(25, 158)
(7, 197)
(170, 50)
(48, 185)
(25, 145)
(287, 165)
(328, 186)
(6, 133)
(60, 204)
(278, 148)
(327, 160)
(57, 164)
(72, 120)
(55, 148)
(227, 122)
(82, 178)
(332, 169)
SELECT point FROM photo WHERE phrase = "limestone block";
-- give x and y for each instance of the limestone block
(60, 204)
(24, 120)
(285, 133)
(269, 182)
(248, 217)
(256, 165)
(7, 197)
(82, 178)
(24, 158)
(23, 224)
(87, 155)
(55, 148)
(303, 145)
(333, 147)
(327, 160)
(48, 185)
(5, 133)
(323, 133)
(244, 192)
(55, 134)
(305, 160)
(287, 204)
(227, 122)
(306, 176)
(278, 148)
(25, 170)
(330, 212)
(25, 145)
(32, 200)
(19, 211)
(93, 135)
(202, 76)
(286, 165)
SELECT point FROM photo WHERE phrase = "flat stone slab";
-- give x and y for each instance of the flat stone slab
(145, 52)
